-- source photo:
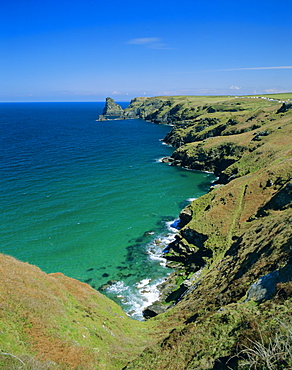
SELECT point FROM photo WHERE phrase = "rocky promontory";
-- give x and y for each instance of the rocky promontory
(111, 110)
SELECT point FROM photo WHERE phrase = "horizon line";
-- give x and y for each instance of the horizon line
(126, 101)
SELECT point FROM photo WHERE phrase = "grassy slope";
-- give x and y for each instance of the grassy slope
(271, 161)
(47, 319)
(213, 325)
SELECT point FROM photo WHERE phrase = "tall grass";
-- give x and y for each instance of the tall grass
(24, 362)
(272, 354)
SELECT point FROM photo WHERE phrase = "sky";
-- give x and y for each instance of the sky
(86, 50)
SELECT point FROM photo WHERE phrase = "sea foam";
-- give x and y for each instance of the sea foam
(137, 297)
(143, 293)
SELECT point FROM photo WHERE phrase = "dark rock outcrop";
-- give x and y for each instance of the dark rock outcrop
(284, 108)
(111, 109)
(155, 309)
(265, 286)
(215, 159)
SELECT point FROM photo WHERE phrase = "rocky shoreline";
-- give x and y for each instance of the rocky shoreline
(195, 134)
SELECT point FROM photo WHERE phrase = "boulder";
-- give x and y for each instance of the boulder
(265, 286)
(155, 309)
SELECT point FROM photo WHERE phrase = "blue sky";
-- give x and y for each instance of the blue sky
(87, 50)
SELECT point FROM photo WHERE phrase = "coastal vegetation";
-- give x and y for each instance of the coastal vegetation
(227, 305)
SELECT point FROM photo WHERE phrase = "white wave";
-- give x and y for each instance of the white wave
(191, 199)
(156, 247)
(158, 257)
(117, 288)
(142, 283)
(143, 297)
(137, 297)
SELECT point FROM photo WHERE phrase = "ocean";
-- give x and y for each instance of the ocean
(91, 199)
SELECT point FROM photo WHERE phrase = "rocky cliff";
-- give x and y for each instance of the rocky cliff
(111, 110)
(232, 254)
(228, 303)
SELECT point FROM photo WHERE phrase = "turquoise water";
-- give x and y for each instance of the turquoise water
(90, 199)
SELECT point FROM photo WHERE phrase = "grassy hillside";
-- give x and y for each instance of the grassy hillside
(55, 322)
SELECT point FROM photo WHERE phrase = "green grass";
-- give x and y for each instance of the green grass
(55, 318)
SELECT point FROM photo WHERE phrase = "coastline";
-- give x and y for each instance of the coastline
(187, 259)
(153, 292)
(136, 298)
(148, 293)
(232, 279)
(168, 291)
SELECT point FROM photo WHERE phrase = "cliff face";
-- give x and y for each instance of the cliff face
(246, 143)
(111, 109)
(229, 298)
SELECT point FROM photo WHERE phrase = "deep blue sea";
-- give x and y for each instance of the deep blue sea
(90, 199)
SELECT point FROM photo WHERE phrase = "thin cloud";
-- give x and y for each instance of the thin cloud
(255, 68)
(269, 91)
(149, 42)
(144, 41)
